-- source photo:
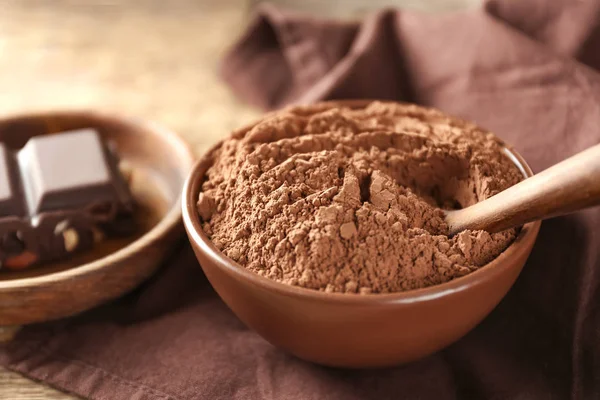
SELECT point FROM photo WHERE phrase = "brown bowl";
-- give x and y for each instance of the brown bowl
(160, 161)
(348, 330)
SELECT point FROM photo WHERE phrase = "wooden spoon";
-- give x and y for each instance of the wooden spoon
(568, 186)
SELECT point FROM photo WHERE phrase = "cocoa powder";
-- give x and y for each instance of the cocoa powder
(350, 200)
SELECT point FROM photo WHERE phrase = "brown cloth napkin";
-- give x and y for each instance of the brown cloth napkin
(526, 69)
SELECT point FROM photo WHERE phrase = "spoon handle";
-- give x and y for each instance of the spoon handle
(568, 186)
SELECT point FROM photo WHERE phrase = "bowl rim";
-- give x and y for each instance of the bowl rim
(489, 271)
(170, 220)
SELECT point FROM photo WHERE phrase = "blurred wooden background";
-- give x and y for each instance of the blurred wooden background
(152, 58)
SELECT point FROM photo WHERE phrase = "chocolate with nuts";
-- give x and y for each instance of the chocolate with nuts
(58, 195)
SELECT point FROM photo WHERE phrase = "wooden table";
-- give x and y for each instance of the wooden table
(156, 59)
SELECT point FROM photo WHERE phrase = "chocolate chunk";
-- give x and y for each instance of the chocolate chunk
(65, 171)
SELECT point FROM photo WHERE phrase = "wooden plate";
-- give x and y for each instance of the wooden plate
(160, 161)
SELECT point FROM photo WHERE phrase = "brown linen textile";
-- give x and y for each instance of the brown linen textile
(528, 70)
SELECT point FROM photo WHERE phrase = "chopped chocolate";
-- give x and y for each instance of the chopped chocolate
(57, 194)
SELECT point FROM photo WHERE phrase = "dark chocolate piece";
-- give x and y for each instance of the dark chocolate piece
(56, 194)
(64, 172)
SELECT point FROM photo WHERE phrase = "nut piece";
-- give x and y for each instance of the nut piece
(71, 238)
(61, 226)
(23, 260)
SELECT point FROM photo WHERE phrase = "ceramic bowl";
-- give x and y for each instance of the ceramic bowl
(347, 330)
(160, 161)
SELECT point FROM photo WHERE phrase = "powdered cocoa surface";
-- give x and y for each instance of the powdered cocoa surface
(350, 200)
